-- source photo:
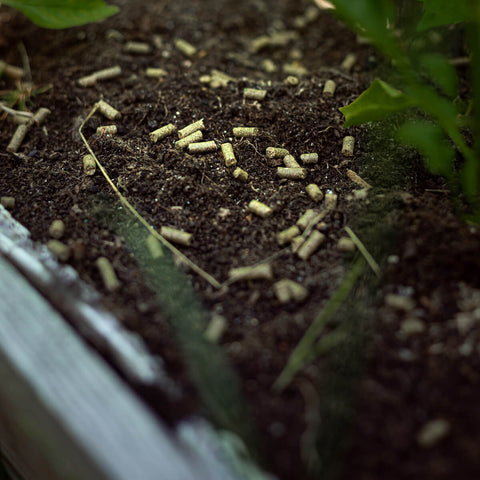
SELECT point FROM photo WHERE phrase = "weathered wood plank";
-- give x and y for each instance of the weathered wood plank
(65, 414)
(63, 288)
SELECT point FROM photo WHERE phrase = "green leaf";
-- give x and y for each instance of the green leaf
(62, 13)
(378, 101)
(370, 18)
(441, 72)
(442, 12)
(369, 15)
(430, 140)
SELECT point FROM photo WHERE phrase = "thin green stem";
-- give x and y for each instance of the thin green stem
(306, 346)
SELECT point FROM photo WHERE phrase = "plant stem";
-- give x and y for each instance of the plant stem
(305, 347)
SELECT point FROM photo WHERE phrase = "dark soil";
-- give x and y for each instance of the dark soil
(424, 360)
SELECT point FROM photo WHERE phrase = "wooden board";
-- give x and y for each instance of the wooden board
(64, 414)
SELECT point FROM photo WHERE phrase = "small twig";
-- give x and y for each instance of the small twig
(206, 276)
(361, 247)
(13, 112)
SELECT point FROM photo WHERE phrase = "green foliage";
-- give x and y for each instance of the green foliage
(375, 103)
(440, 72)
(442, 12)
(21, 97)
(58, 14)
(426, 81)
(430, 140)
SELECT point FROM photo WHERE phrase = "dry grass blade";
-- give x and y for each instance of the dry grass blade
(206, 276)
(13, 112)
(361, 247)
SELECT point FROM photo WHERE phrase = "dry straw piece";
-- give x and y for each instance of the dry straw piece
(107, 272)
(262, 271)
(310, 245)
(176, 236)
(202, 147)
(107, 130)
(292, 173)
(276, 152)
(245, 132)
(57, 229)
(7, 202)
(314, 192)
(162, 132)
(89, 165)
(254, 94)
(189, 129)
(240, 174)
(260, 209)
(309, 158)
(107, 110)
(354, 177)
(348, 146)
(154, 247)
(228, 155)
(140, 48)
(186, 141)
(286, 236)
(329, 88)
(290, 162)
(105, 74)
(184, 47)
(287, 290)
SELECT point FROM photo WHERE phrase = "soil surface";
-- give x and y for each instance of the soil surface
(424, 358)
